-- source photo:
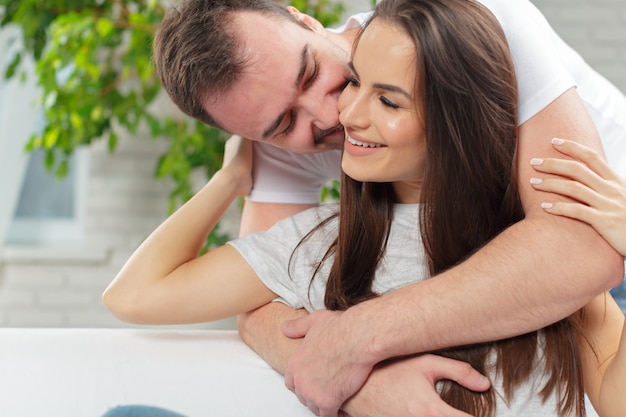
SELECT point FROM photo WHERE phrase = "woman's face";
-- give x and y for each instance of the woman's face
(385, 139)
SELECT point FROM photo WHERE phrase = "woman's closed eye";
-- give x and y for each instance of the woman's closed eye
(389, 103)
(352, 81)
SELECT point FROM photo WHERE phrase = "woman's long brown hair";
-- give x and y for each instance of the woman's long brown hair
(466, 82)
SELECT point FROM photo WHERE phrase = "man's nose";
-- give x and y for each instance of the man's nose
(322, 109)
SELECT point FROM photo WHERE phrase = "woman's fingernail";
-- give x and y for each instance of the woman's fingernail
(536, 181)
(546, 205)
(557, 141)
(536, 161)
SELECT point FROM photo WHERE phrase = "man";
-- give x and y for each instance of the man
(277, 82)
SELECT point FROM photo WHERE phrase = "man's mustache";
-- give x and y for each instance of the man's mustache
(319, 137)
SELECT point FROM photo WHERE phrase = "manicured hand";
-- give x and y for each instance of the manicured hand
(599, 192)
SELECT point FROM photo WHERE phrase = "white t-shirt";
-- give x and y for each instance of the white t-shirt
(269, 254)
(545, 66)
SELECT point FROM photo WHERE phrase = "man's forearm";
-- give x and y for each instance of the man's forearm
(260, 329)
(390, 390)
(533, 274)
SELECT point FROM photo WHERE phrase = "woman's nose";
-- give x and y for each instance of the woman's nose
(352, 110)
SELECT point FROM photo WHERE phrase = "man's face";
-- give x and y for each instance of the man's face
(287, 96)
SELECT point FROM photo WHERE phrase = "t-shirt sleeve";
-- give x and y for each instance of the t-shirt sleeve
(273, 256)
(538, 55)
(281, 176)
(268, 253)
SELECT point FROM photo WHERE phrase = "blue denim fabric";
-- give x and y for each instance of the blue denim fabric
(619, 293)
(140, 411)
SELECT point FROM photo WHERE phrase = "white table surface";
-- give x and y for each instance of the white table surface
(84, 372)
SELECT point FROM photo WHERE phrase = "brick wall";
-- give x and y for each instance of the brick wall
(596, 29)
(61, 286)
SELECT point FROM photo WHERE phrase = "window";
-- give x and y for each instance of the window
(49, 210)
(37, 208)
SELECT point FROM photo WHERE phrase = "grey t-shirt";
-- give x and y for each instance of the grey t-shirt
(270, 256)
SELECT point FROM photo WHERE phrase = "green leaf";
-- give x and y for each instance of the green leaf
(62, 169)
(94, 67)
(50, 138)
(113, 139)
(104, 27)
(15, 63)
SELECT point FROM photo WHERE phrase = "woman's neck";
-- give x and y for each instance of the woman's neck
(408, 192)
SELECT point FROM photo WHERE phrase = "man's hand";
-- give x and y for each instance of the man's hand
(406, 388)
(322, 377)
(397, 388)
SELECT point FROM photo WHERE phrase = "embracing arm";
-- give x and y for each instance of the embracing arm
(534, 273)
(397, 389)
(165, 282)
(260, 329)
(400, 388)
(599, 199)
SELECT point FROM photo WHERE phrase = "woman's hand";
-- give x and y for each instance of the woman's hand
(599, 192)
(238, 163)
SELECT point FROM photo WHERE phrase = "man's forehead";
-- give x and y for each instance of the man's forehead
(275, 61)
(252, 25)
(253, 101)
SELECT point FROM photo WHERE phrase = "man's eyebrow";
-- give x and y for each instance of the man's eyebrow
(382, 86)
(270, 130)
(304, 59)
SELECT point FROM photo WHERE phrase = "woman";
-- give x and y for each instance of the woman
(431, 138)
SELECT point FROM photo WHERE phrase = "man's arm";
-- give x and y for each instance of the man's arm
(534, 273)
(258, 216)
(396, 389)
(402, 388)
(260, 329)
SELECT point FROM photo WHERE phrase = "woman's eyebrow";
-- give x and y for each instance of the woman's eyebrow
(383, 86)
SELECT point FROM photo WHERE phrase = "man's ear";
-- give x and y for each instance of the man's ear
(307, 20)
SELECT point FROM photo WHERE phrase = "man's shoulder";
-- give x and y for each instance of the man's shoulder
(355, 21)
(268, 155)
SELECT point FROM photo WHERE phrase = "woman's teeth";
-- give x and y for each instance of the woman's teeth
(363, 144)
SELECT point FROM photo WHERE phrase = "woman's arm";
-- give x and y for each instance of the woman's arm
(603, 355)
(599, 199)
(165, 282)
